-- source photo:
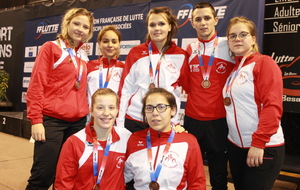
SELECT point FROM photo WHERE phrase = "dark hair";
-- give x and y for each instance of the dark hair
(250, 25)
(204, 5)
(110, 28)
(69, 15)
(107, 28)
(103, 91)
(172, 20)
(168, 95)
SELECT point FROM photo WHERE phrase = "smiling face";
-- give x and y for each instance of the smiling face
(104, 111)
(204, 22)
(241, 47)
(156, 120)
(78, 29)
(109, 45)
(158, 29)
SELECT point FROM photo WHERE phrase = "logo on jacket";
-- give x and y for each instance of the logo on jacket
(171, 67)
(242, 78)
(116, 76)
(120, 161)
(221, 67)
(145, 52)
(140, 143)
(170, 160)
(194, 68)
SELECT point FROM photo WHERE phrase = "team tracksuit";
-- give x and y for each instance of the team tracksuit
(182, 167)
(136, 79)
(75, 165)
(53, 100)
(204, 111)
(253, 119)
(115, 66)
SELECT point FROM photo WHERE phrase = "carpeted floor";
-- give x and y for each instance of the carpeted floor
(16, 159)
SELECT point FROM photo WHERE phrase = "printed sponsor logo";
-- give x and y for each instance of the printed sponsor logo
(126, 46)
(26, 81)
(30, 51)
(88, 48)
(42, 28)
(184, 13)
(28, 66)
(23, 98)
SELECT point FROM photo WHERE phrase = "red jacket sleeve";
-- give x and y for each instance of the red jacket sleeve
(194, 164)
(268, 94)
(39, 78)
(67, 167)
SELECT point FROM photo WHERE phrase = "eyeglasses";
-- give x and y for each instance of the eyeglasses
(242, 36)
(160, 108)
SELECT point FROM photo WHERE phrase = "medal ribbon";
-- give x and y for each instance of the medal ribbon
(108, 75)
(153, 76)
(70, 51)
(234, 74)
(98, 176)
(154, 174)
(206, 74)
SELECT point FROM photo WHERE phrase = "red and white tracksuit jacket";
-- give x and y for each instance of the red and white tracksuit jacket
(136, 78)
(255, 111)
(75, 164)
(182, 168)
(52, 89)
(206, 103)
(115, 66)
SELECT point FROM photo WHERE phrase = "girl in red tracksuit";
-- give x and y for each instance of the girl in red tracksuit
(156, 63)
(82, 164)
(56, 97)
(106, 71)
(253, 103)
(159, 158)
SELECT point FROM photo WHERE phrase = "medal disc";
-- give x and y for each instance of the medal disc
(153, 185)
(205, 84)
(151, 85)
(96, 187)
(77, 85)
(227, 101)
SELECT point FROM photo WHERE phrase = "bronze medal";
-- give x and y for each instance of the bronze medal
(96, 187)
(151, 85)
(205, 83)
(153, 185)
(77, 85)
(227, 101)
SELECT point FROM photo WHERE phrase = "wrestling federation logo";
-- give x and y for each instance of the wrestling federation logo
(42, 28)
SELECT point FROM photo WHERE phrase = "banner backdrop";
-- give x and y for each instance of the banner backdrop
(130, 20)
(282, 39)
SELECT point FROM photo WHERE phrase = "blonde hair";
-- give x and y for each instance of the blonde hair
(251, 26)
(69, 15)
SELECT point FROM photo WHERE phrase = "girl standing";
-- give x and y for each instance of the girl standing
(253, 103)
(106, 71)
(156, 63)
(56, 97)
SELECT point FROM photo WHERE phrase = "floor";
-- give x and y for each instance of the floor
(16, 160)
